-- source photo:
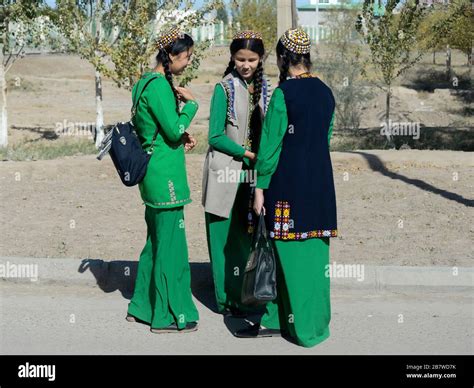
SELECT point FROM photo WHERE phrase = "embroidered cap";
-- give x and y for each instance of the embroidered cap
(169, 37)
(248, 34)
(297, 41)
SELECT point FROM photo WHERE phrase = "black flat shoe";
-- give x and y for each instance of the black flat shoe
(173, 328)
(256, 331)
(233, 312)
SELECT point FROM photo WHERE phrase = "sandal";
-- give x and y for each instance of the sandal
(131, 318)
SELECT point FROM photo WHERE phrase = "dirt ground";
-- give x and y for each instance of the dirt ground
(394, 207)
(50, 91)
(410, 211)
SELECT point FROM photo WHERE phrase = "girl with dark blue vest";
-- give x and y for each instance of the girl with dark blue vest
(295, 190)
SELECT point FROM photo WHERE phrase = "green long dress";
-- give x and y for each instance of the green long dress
(229, 239)
(302, 308)
(162, 294)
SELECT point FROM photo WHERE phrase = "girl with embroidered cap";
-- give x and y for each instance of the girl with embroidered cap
(238, 106)
(295, 190)
(162, 296)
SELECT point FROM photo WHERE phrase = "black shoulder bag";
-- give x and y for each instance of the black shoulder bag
(122, 143)
(259, 282)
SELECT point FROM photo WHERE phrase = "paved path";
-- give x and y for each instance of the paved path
(55, 318)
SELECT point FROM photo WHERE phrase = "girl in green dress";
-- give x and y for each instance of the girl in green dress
(162, 296)
(295, 182)
(238, 106)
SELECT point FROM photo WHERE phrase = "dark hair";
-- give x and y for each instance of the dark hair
(177, 47)
(255, 45)
(290, 58)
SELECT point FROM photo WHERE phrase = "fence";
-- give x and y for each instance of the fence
(221, 34)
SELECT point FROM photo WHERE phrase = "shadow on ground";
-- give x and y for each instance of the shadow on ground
(377, 165)
(120, 276)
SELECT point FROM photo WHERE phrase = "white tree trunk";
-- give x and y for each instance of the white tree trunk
(3, 102)
(388, 134)
(448, 63)
(99, 121)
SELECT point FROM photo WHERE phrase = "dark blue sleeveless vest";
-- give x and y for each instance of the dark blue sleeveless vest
(300, 202)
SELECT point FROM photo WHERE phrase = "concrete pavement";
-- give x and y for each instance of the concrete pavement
(74, 312)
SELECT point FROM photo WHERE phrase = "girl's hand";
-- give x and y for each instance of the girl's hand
(250, 155)
(258, 202)
(184, 94)
(189, 141)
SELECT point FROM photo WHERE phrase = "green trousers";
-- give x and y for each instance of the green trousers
(228, 241)
(303, 307)
(162, 293)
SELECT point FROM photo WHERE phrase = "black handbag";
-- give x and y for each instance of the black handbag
(122, 143)
(259, 281)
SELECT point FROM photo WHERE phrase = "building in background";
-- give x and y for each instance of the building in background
(318, 17)
(430, 3)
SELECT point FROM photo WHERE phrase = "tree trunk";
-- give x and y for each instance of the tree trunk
(448, 62)
(99, 121)
(3, 102)
(388, 133)
(434, 57)
(469, 61)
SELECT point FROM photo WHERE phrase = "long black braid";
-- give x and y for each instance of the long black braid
(230, 67)
(285, 66)
(180, 45)
(163, 58)
(256, 120)
(257, 83)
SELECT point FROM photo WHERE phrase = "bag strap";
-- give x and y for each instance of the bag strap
(134, 111)
(261, 223)
(261, 230)
(135, 103)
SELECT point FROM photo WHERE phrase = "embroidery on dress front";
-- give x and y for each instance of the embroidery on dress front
(281, 226)
(171, 190)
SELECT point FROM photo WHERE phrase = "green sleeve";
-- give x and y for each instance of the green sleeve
(330, 128)
(217, 123)
(162, 103)
(273, 131)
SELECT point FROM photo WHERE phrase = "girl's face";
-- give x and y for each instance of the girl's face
(246, 62)
(179, 62)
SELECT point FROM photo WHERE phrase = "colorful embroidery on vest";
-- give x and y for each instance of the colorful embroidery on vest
(281, 226)
(229, 89)
(282, 220)
(248, 135)
(266, 94)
